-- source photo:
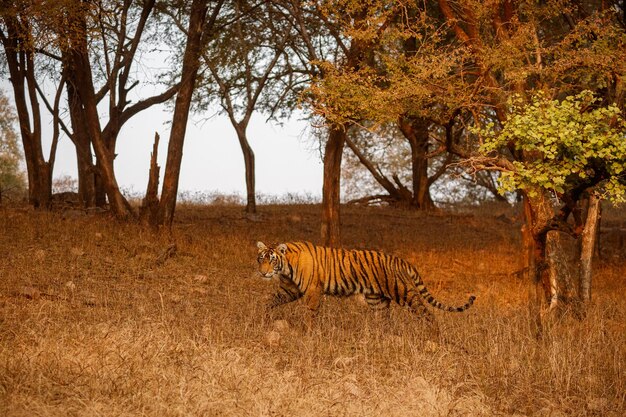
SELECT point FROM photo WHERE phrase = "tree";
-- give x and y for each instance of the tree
(573, 146)
(11, 176)
(334, 37)
(565, 47)
(244, 61)
(117, 33)
(472, 56)
(94, 47)
(19, 42)
(74, 47)
(392, 161)
(379, 168)
(402, 85)
(201, 25)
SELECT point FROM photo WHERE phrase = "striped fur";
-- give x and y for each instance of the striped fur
(308, 271)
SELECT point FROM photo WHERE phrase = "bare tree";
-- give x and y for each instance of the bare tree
(18, 41)
(200, 28)
(115, 34)
(90, 42)
(243, 60)
(76, 61)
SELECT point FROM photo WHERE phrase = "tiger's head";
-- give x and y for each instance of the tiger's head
(271, 260)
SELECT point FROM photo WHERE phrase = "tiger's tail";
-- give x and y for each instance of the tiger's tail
(430, 299)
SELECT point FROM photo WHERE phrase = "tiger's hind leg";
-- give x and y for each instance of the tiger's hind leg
(379, 303)
(417, 307)
(312, 299)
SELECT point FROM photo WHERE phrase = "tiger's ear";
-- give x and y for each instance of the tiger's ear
(261, 246)
(282, 248)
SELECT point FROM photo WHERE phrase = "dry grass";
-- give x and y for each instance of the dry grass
(97, 319)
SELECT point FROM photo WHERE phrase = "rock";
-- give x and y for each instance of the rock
(280, 326)
(200, 279)
(272, 338)
(90, 300)
(30, 292)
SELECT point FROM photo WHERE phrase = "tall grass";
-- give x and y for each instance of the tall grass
(99, 318)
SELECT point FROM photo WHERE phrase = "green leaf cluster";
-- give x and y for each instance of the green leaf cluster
(564, 143)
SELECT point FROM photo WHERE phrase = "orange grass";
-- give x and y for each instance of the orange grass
(96, 318)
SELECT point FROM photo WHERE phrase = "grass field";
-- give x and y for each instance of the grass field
(103, 318)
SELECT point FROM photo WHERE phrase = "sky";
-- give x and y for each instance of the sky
(286, 157)
(287, 160)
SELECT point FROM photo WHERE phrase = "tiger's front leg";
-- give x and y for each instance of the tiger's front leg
(287, 293)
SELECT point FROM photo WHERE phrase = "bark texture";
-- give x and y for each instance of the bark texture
(248, 158)
(587, 244)
(191, 63)
(330, 228)
(20, 62)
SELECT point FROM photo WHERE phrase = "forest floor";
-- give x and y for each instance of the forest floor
(99, 317)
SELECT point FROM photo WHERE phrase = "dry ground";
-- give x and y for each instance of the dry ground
(102, 318)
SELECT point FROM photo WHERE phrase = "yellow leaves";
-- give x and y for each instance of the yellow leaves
(345, 95)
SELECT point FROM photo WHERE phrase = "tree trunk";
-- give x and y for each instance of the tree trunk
(587, 244)
(79, 73)
(82, 143)
(528, 254)
(20, 62)
(331, 191)
(538, 213)
(415, 130)
(248, 157)
(562, 288)
(553, 285)
(86, 180)
(118, 203)
(191, 62)
(42, 192)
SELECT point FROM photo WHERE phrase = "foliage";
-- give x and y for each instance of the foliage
(245, 64)
(410, 69)
(568, 142)
(11, 175)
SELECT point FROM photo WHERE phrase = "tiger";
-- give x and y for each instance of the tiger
(308, 271)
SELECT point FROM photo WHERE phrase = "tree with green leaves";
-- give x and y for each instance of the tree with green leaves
(560, 49)
(573, 147)
(470, 58)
